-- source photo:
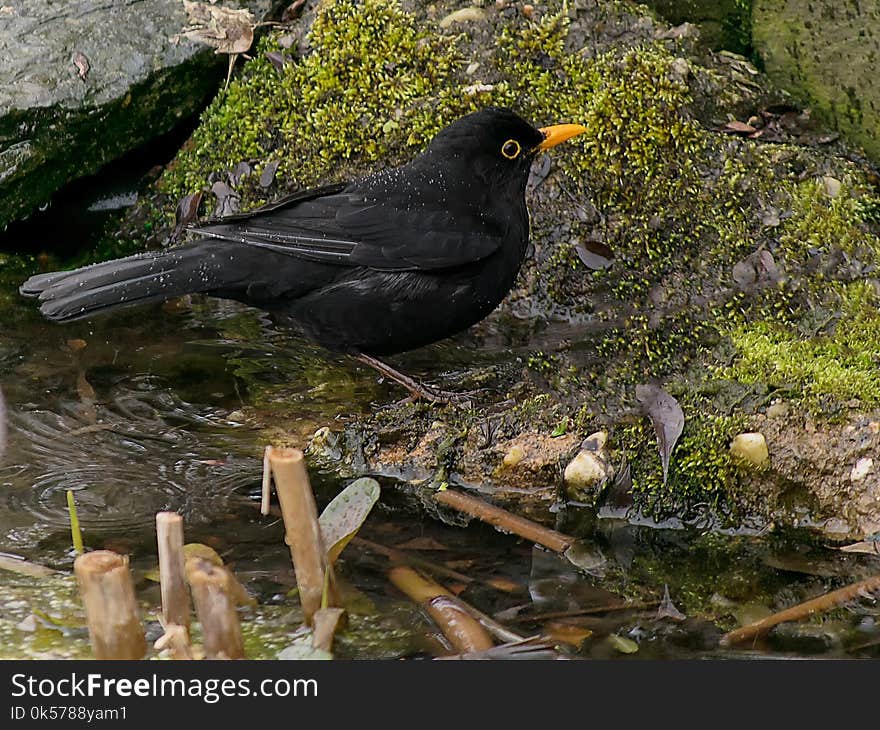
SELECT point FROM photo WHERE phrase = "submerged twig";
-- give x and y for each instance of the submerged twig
(107, 592)
(25, 567)
(461, 629)
(801, 611)
(504, 520)
(302, 531)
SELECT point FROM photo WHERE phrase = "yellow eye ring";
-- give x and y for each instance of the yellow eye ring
(511, 149)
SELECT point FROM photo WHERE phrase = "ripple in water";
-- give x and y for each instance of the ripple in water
(141, 451)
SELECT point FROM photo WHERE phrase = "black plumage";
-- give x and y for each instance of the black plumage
(393, 261)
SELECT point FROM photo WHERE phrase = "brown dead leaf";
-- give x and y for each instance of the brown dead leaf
(82, 65)
(224, 29)
(736, 127)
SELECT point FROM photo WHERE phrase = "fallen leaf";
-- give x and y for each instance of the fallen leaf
(224, 29)
(667, 417)
(276, 58)
(267, 176)
(82, 65)
(735, 127)
(187, 212)
(594, 254)
(240, 170)
(227, 199)
(343, 517)
(667, 608)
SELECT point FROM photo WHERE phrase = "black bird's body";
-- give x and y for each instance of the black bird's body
(393, 261)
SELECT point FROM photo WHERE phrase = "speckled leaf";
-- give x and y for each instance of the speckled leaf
(667, 417)
(343, 517)
(225, 29)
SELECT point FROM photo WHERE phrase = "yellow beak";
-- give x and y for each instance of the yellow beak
(559, 133)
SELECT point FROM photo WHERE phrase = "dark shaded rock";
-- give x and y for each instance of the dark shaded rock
(825, 53)
(83, 82)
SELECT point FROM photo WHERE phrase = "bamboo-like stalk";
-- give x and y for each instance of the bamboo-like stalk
(302, 531)
(461, 629)
(75, 531)
(25, 567)
(115, 630)
(803, 610)
(504, 520)
(215, 606)
(172, 570)
(266, 487)
(326, 623)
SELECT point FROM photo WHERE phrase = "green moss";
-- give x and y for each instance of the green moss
(702, 471)
(355, 94)
(827, 345)
(841, 362)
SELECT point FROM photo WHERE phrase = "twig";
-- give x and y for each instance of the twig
(504, 520)
(172, 570)
(302, 531)
(107, 592)
(25, 567)
(401, 556)
(803, 610)
(215, 607)
(326, 622)
(609, 608)
(460, 628)
(75, 532)
(266, 488)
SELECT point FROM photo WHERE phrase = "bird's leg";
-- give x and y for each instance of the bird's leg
(417, 389)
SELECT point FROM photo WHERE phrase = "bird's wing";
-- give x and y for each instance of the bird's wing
(334, 226)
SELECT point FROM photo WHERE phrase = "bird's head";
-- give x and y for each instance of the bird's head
(497, 145)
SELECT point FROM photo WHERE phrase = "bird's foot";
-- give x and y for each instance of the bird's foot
(417, 390)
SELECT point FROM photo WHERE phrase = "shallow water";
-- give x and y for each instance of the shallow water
(142, 412)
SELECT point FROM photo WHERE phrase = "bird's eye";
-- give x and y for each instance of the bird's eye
(511, 149)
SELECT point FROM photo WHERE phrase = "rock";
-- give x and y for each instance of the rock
(751, 447)
(778, 409)
(82, 83)
(831, 186)
(863, 467)
(722, 23)
(824, 52)
(589, 469)
(513, 457)
(464, 15)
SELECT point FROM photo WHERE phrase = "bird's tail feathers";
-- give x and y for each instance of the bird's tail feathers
(147, 277)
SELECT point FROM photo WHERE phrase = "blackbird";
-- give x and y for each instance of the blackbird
(398, 259)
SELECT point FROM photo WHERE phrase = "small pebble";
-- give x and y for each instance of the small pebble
(863, 467)
(513, 457)
(751, 447)
(831, 186)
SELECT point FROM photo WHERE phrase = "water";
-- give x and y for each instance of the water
(168, 407)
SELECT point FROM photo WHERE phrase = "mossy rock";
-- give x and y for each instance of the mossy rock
(825, 53)
(745, 268)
